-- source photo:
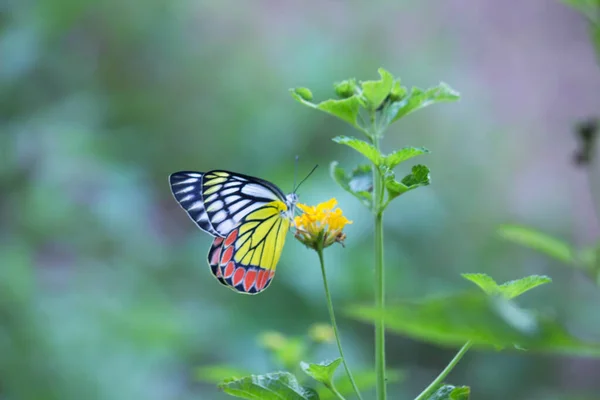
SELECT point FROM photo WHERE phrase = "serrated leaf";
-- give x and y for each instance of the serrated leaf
(487, 321)
(322, 372)
(345, 109)
(272, 386)
(450, 392)
(365, 380)
(359, 182)
(364, 148)
(539, 241)
(517, 287)
(419, 98)
(375, 92)
(399, 156)
(419, 176)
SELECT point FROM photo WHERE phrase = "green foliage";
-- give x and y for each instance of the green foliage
(509, 289)
(365, 380)
(364, 148)
(418, 177)
(322, 372)
(449, 392)
(375, 92)
(272, 386)
(487, 321)
(534, 239)
(404, 154)
(358, 183)
(384, 100)
(419, 98)
(345, 109)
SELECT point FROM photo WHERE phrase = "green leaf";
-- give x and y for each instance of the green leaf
(365, 380)
(393, 187)
(418, 177)
(375, 92)
(534, 239)
(450, 392)
(517, 287)
(484, 281)
(460, 393)
(399, 156)
(509, 289)
(272, 386)
(419, 98)
(359, 183)
(487, 321)
(345, 109)
(364, 148)
(447, 320)
(322, 372)
(304, 93)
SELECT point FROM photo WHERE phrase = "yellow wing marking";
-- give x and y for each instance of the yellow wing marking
(262, 237)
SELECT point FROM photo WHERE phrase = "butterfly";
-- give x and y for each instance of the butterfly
(248, 217)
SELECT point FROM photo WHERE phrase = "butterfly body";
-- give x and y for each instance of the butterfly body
(248, 217)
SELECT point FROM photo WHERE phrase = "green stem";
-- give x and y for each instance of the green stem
(334, 324)
(379, 277)
(335, 392)
(440, 378)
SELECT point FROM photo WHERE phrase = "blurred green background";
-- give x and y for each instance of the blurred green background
(104, 288)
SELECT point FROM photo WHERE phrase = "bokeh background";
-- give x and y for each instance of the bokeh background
(105, 292)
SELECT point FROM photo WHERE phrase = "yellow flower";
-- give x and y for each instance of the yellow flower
(321, 226)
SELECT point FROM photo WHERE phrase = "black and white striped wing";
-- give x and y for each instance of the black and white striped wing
(186, 187)
(229, 197)
(218, 200)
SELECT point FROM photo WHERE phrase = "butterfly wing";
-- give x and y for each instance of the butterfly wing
(247, 258)
(244, 215)
(229, 198)
(218, 200)
(186, 187)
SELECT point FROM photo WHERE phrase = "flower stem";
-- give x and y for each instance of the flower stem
(440, 378)
(334, 324)
(379, 277)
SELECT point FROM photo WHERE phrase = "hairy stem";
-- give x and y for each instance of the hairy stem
(334, 325)
(440, 378)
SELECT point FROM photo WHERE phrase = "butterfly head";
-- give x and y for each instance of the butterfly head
(291, 201)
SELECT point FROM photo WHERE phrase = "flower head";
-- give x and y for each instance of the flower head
(321, 226)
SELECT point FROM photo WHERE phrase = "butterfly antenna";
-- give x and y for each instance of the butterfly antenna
(295, 172)
(306, 177)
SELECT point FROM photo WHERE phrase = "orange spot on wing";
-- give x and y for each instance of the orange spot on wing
(229, 269)
(217, 241)
(227, 256)
(231, 238)
(261, 280)
(218, 273)
(249, 280)
(238, 275)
